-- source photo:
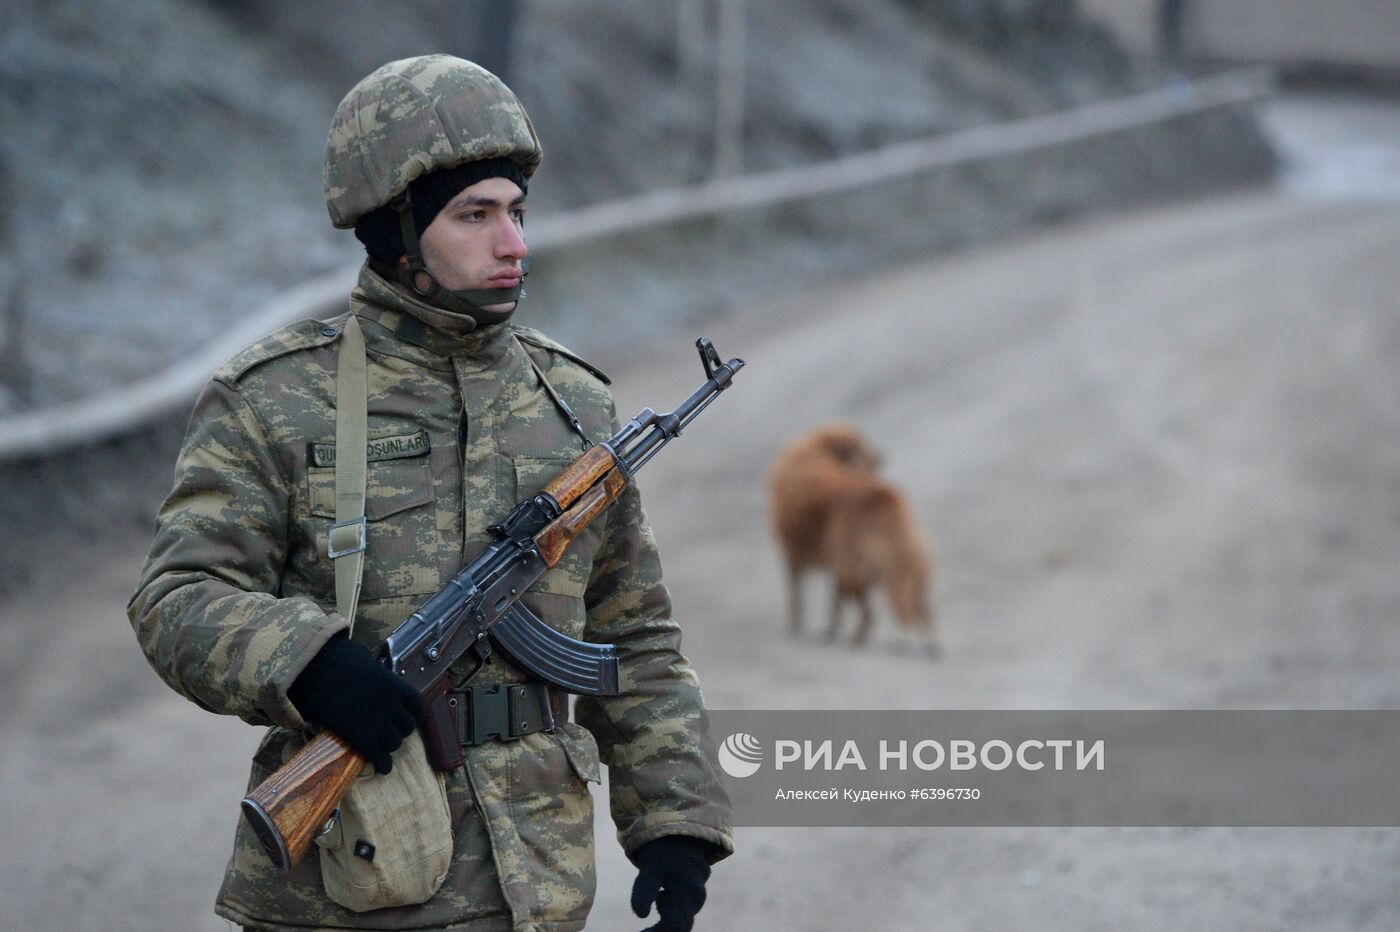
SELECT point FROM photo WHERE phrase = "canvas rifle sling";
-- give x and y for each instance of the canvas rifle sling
(345, 544)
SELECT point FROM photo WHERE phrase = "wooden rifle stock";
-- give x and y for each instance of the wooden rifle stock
(290, 808)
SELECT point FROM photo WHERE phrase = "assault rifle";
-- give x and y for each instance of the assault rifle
(478, 611)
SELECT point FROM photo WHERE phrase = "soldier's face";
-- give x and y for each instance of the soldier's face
(478, 239)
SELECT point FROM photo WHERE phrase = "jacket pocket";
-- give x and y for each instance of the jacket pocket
(401, 533)
(550, 804)
(581, 748)
(389, 489)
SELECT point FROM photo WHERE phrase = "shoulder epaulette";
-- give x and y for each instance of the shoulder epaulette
(304, 334)
(534, 337)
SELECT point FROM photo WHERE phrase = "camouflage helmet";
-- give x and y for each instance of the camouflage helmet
(415, 116)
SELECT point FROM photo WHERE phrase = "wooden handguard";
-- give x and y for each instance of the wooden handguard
(556, 537)
(292, 806)
(580, 476)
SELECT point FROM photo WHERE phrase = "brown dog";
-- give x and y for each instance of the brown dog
(830, 511)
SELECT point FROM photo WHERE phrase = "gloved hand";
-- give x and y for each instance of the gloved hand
(349, 692)
(676, 867)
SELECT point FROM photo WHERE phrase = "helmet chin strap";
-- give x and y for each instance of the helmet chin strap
(466, 307)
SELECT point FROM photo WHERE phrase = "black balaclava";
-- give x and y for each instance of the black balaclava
(393, 230)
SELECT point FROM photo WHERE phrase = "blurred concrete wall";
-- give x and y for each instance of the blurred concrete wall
(1350, 33)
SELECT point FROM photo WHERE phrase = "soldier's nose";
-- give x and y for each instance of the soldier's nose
(511, 243)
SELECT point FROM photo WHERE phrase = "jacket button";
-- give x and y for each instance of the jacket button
(327, 331)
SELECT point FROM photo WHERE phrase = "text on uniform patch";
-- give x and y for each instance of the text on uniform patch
(382, 448)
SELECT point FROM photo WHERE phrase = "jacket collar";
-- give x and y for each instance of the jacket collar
(419, 323)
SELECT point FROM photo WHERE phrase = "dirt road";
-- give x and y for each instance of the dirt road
(1161, 456)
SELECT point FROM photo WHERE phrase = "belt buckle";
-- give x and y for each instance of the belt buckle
(506, 711)
(487, 715)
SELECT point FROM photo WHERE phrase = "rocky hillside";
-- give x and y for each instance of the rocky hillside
(161, 158)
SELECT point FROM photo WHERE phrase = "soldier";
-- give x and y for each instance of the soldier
(429, 160)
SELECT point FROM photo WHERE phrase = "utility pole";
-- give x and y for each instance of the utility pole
(729, 110)
(692, 43)
(729, 236)
(490, 33)
(1171, 36)
(15, 373)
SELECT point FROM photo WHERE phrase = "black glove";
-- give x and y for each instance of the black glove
(349, 692)
(676, 866)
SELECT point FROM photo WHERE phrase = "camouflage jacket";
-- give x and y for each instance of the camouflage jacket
(238, 595)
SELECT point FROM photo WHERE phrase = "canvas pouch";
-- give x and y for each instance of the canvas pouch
(392, 842)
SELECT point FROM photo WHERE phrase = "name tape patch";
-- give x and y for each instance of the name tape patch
(379, 448)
